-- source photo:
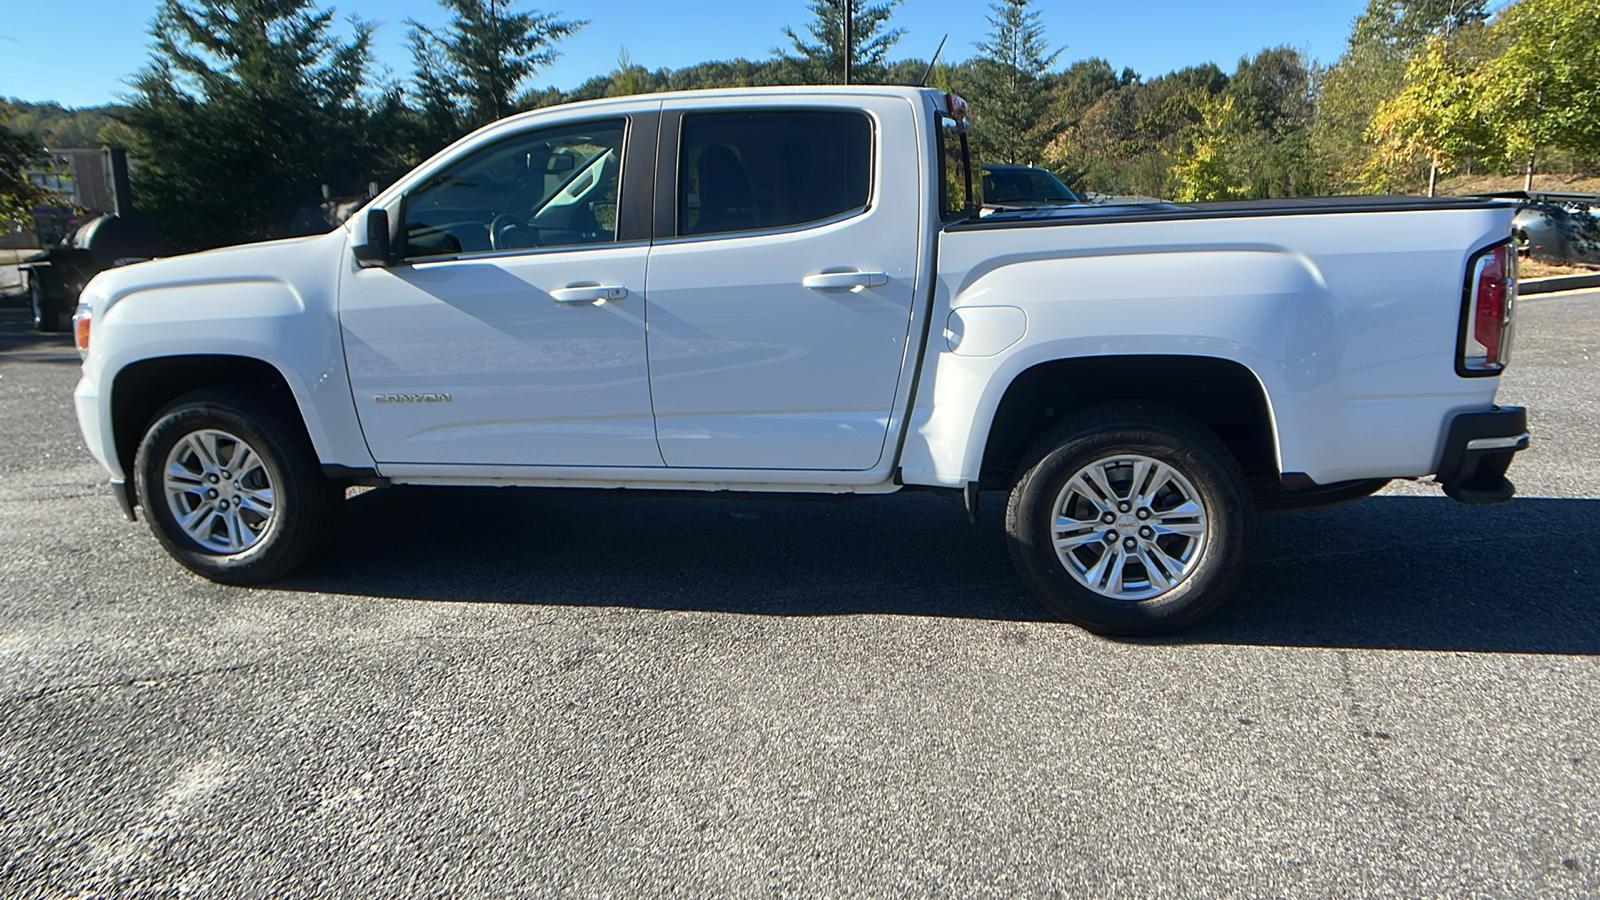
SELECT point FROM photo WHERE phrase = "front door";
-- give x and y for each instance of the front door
(780, 301)
(512, 331)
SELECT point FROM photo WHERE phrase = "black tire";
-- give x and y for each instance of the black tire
(1098, 434)
(47, 316)
(305, 505)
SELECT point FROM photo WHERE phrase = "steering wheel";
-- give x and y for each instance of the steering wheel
(504, 232)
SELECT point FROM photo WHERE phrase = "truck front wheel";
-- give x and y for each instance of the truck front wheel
(232, 488)
(1131, 520)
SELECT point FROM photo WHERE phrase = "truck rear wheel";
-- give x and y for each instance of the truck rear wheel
(232, 488)
(1131, 520)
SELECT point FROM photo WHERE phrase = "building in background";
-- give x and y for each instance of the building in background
(80, 186)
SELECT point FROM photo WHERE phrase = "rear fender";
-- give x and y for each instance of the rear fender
(1269, 312)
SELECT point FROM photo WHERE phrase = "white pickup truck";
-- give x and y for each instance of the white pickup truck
(794, 290)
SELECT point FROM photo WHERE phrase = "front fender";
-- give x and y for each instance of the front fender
(257, 317)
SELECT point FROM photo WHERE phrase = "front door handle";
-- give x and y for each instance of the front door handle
(588, 293)
(825, 280)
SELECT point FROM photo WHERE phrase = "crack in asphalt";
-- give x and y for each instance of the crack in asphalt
(136, 681)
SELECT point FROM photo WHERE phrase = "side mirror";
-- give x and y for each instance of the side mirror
(376, 250)
(561, 162)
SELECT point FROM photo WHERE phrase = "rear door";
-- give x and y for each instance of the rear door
(781, 281)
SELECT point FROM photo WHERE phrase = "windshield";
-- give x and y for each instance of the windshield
(1024, 185)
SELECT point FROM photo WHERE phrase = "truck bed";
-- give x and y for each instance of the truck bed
(1051, 216)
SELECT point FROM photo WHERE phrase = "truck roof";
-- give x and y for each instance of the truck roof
(775, 91)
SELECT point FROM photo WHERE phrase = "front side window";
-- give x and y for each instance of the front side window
(553, 187)
(767, 170)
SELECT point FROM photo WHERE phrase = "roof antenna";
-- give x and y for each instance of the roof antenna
(929, 70)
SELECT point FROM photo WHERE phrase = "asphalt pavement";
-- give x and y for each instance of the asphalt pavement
(537, 693)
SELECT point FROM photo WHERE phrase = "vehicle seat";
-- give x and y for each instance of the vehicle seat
(726, 199)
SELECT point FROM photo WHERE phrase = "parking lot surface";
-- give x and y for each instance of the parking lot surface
(488, 692)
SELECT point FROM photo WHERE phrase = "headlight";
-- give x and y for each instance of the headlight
(81, 322)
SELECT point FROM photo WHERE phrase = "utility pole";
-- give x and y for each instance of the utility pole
(847, 17)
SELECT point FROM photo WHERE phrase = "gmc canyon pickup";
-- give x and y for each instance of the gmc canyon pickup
(797, 290)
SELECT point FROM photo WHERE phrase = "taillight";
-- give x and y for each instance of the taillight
(1491, 297)
(81, 320)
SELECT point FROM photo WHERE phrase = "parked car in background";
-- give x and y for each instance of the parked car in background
(1024, 186)
(1560, 228)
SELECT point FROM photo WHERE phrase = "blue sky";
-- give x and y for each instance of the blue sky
(83, 57)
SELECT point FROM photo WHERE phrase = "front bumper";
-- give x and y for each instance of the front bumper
(1478, 450)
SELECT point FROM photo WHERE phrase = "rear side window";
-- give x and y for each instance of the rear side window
(957, 193)
(775, 169)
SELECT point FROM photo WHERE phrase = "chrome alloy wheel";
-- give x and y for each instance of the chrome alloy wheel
(219, 491)
(1129, 527)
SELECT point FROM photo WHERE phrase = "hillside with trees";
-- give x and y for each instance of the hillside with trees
(249, 107)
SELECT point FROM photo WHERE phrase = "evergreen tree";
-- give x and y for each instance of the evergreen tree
(469, 75)
(822, 62)
(246, 108)
(628, 78)
(1011, 95)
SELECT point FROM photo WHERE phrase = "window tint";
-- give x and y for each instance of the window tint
(1024, 185)
(548, 188)
(956, 187)
(763, 170)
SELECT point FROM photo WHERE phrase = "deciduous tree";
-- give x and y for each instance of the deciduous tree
(1432, 119)
(1372, 70)
(1541, 90)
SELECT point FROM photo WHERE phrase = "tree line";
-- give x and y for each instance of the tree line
(248, 108)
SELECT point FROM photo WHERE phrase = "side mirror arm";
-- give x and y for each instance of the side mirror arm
(376, 250)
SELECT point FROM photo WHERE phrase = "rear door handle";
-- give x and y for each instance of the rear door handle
(588, 293)
(824, 280)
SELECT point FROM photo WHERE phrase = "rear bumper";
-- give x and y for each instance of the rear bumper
(1478, 450)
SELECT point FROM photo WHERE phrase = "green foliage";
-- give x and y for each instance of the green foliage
(60, 128)
(628, 78)
(468, 75)
(19, 152)
(1080, 87)
(246, 108)
(820, 60)
(1124, 143)
(1404, 26)
(1432, 121)
(1541, 90)
(1209, 167)
(1011, 125)
(1372, 70)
